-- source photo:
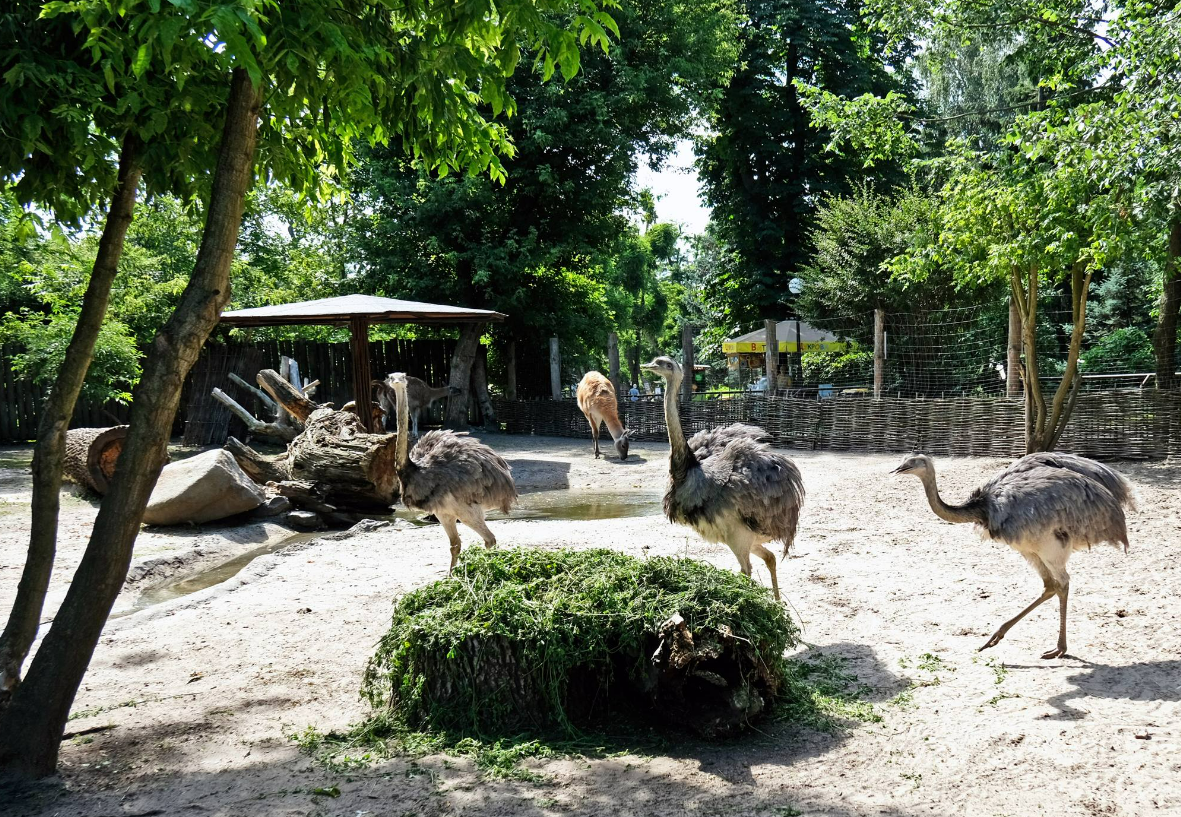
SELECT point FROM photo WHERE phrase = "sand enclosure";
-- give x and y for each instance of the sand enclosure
(189, 702)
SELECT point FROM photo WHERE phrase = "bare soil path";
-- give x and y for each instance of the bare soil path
(188, 705)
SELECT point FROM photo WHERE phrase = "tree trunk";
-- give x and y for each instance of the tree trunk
(510, 370)
(91, 455)
(461, 375)
(613, 360)
(480, 390)
(1013, 351)
(31, 728)
(24, 619)
(1164, 339)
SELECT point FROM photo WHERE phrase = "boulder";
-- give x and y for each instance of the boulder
(203, 488)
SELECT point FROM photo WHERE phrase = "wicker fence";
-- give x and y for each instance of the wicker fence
(1126, 424)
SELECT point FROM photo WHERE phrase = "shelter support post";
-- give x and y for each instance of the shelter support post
(359, 343)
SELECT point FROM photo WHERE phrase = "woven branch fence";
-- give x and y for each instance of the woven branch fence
(1109, 425)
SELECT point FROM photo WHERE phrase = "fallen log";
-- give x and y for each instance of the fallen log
(335, 462)
(91, 454)
(276, 431)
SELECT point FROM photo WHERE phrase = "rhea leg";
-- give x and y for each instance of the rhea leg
(1060, 650)
(473, 517)
(448, 523)
(1008, 625)
(768, 557)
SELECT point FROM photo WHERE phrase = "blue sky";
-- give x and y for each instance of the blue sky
(675, 188)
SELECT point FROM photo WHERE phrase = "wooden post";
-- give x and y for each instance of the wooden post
(510, 370)
(799, 352)
(879, 351)
(359, 346)
(555, 370)
(613, 361)
(687, 349)
(772, 364)
(1013, 383)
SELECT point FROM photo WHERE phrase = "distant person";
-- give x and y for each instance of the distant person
(634, 394)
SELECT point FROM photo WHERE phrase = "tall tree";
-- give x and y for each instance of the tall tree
(544, 246)
(764, 168)
(324, 76)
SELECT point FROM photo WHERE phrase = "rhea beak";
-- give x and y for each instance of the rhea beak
(899, 470)
(648, 366)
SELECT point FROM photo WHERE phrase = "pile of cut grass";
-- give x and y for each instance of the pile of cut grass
(526, 639)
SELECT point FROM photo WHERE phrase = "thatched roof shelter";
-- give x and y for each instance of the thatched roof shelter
(357, 312)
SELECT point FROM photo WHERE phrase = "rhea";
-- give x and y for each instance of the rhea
(727, 484)
(452, 476)
(596, 399)
(1045, 506)
(420, 396)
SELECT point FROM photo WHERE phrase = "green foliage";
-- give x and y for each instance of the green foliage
(763, 168)
(113, 371)
(856, 238)
(565, 613)
(838, 367)
(1122, 350)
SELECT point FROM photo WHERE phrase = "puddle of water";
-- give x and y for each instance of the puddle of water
(214, 575)
(574, 505)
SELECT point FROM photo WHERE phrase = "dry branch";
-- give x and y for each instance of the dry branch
(255, 426)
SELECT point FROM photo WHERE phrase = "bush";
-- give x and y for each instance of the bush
(838, 367)
(532, 639)
(1122, 350)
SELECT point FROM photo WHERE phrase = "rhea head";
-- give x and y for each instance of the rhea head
(664, 366)
(918, 464)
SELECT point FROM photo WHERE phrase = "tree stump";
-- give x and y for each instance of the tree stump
(91, 454)
(332, 464)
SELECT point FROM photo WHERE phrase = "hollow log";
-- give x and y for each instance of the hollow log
(91, 454)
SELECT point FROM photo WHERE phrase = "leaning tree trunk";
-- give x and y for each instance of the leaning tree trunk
(1164, 339)
(49, 452)
(333, 464)
(91, 455)
(480, 390)
(461, 375)
(31, 728)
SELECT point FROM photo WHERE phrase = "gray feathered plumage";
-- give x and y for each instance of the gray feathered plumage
(738, 470)
(727, 483)
(451, 475)
(1045, 506)
(446, 467)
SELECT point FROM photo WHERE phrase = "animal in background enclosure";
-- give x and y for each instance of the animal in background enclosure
(596, 398)
(419, 394)
(727, 484)
(1044, 506)
(450, 475)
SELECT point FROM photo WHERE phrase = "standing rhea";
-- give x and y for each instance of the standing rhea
(1044, 506)
(727, 484)
(420, 394)
(596, 398)
(450, 475)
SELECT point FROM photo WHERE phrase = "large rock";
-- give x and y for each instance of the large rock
(203, 488)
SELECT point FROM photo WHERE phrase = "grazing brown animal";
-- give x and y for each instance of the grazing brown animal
(596, 398)
(419, 395)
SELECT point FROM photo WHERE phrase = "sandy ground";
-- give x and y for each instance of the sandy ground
(196, 697)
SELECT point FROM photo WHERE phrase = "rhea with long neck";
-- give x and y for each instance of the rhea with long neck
(402, 463)
(971, 511)
(682, 457)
